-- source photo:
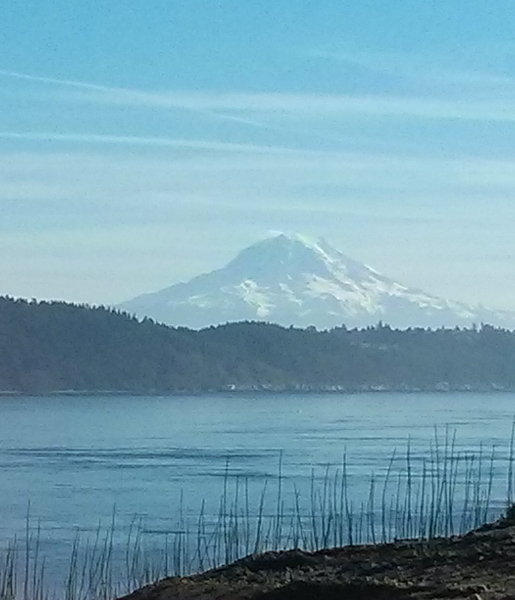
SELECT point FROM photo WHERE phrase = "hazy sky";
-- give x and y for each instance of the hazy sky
(142, 143)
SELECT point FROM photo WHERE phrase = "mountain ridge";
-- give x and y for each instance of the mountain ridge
(293, 280)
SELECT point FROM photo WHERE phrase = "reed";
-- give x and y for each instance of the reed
(419, 497)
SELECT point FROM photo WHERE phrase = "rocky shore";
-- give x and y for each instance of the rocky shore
(479, 565)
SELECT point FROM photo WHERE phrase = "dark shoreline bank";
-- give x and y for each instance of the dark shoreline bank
(477, 565)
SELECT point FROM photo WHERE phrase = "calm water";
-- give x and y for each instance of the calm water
(76, 459)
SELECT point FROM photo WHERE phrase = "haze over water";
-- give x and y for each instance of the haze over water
(76, 459)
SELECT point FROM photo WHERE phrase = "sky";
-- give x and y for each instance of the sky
(142, 143)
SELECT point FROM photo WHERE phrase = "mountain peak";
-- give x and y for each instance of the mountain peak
(285, 257)
(297, 280)
(283, 242)
(296, 241)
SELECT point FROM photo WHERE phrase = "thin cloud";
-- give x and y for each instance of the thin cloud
(149, 141)
(291, 179)
(130, 96)
(245, 106)
(436, 70)
(281, 108)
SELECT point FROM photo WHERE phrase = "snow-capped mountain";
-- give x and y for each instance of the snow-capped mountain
(291, 280)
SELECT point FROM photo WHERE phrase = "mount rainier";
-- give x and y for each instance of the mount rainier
(291, 280)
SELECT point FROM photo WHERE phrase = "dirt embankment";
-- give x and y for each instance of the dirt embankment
(478, 566)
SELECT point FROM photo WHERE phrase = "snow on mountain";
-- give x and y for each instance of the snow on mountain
(292, 280)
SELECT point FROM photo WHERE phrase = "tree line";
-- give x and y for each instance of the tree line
(56, 346)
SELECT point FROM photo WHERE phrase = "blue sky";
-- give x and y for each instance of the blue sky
(142, 143)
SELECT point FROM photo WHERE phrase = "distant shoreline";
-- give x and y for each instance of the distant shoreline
(263, 391)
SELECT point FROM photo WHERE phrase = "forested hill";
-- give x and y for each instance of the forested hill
(55, 346)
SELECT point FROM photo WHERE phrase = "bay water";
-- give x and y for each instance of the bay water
(70, 463)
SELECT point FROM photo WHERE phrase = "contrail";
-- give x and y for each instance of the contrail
(153, 141)
(160, 101)
(130, 94)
